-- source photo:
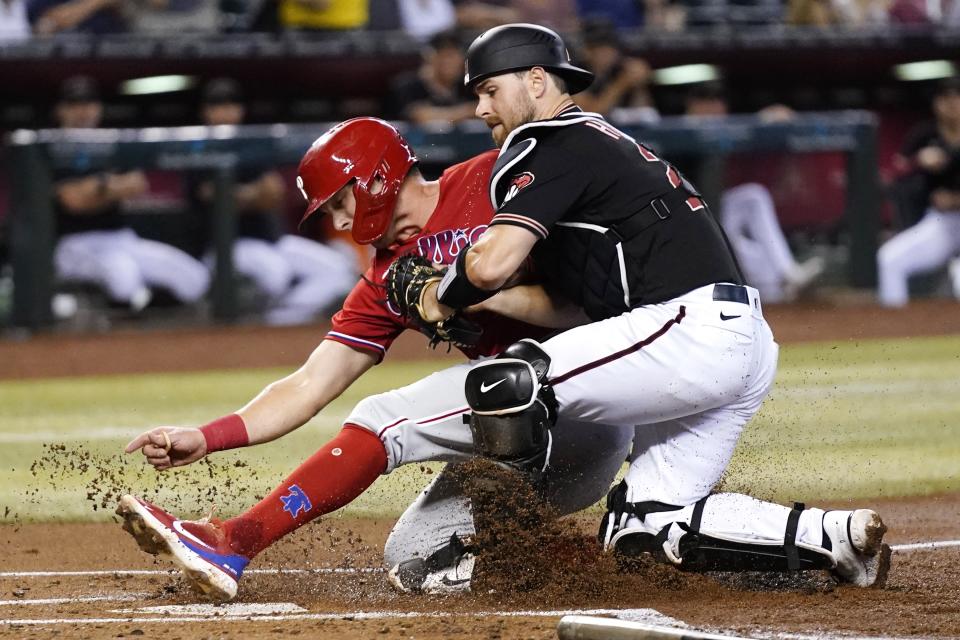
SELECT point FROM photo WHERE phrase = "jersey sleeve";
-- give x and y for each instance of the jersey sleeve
(540, 189)
(365, 322)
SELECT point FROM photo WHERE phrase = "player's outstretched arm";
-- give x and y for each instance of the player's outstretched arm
(280, 408)
(290, 402)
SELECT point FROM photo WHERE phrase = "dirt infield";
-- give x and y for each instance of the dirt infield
(332, 585)
(921, 599)
(252, 346)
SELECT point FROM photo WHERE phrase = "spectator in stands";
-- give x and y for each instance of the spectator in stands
(94, 246)
(424, 19)
(932, 155)
(749, 218)
(824, 13)
(301, 278)
(661, 15)
(324, 15)
(50, 17)
(624, 14)
(621, 84)
(434, 92)
(159, 17)
(560, 15)
(699, 13)
(912, 11)
(14, 24)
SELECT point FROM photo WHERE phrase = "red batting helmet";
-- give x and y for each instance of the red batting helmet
(363, 150)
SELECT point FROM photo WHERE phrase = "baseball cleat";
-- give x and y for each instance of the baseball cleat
(414, 576)
(199, 548)
(857, 546)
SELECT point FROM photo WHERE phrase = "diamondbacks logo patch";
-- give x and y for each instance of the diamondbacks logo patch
(520, 181)
(295, 501)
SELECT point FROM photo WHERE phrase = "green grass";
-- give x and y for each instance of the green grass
(845, 420)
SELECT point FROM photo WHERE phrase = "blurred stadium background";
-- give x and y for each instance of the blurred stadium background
(854, 77)
(847, 80)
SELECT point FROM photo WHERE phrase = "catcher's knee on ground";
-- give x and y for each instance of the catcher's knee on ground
(512, 406)
(633, 529)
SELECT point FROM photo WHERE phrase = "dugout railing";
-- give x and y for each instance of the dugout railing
(33, 156)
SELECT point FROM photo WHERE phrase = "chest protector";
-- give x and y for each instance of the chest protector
(597, 267)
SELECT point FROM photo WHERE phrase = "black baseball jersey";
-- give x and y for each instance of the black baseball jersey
(928, 135)
(619, 227)
(68, 222)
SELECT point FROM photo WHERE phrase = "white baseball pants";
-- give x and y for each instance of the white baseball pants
(424, 421)
(924, 247)
(686, 375)
(300, 276)
(750, 221)
(124, 264)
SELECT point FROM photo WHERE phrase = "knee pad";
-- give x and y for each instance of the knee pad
(512, 406)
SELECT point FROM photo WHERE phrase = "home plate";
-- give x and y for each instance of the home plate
(592, 628)
(235, 610)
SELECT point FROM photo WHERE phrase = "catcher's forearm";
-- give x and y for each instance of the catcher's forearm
(497, 255)
(483, 269)
(534, 305)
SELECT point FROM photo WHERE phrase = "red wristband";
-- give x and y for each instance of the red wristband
(227, 432)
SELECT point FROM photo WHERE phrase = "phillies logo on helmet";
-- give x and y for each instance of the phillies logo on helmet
(520, 181)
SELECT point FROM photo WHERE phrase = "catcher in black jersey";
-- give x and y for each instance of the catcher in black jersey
(676, 347)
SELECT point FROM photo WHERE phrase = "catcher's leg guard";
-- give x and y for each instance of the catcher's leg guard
(686, 545)
(701, 552)
(512, 407)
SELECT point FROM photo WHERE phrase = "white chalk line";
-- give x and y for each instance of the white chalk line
(349, 616)
(648, 616)
(787, 635)
(233, 609)
(923, 546)
(116, 597)
(917, 546)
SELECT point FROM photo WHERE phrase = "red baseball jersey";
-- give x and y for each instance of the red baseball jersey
(463, 213)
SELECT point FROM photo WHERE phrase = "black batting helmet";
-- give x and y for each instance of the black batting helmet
(515, 47)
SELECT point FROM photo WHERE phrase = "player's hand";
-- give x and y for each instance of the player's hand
(932, 159)
(166, 447)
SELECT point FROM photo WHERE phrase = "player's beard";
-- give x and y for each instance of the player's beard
(521, 112)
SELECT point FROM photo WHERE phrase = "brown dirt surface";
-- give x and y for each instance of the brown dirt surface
(557, 569)
(921, 598)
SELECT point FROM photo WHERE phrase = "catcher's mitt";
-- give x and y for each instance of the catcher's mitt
(405, 281)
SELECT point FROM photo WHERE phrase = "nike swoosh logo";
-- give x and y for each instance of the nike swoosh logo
(452, 583)
(484, 388)
(725, 317)
(186, 534)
